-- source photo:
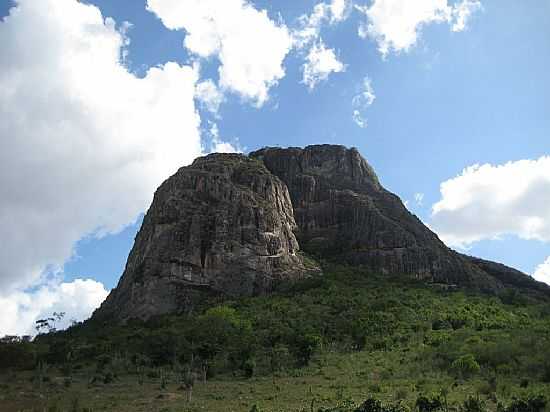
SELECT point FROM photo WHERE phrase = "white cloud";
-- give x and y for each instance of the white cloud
(250, 46)
(487, 202)
(463, 12)
(361, 102)
(77, 299)
(338, 10)
(83, 142)
(208, 94)
(542, 272)
(419, 198)
(395, 24)
(323, 13)
(320, 63)
(218, 145)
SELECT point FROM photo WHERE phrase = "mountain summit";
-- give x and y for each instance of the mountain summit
(233, 225)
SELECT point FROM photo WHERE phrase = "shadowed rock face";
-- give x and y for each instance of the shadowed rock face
(344, 214)
(223, 225)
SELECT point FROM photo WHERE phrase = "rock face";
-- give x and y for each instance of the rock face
(231, 225)
(344, 214)
(223, 225)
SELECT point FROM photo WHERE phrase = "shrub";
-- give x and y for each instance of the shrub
(401, 394)
(466, 366)
(425, 404)
(306, 346)
(532, 404)
(370, 405)
(472, 404)
(374, 405)
(249, 367)
(16, 354)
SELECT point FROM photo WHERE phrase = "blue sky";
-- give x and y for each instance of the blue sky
(453, 99)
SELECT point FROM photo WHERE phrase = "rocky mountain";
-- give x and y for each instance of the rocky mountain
(233, 225)
(344, 213)
(223, 225)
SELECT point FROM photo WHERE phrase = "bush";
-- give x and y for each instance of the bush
(532, 404)
(425, 404)
(16, 354)
(371, 405)
(306, 346)
(374, 405)
(466, 366)
(249, 367)
(472, 404)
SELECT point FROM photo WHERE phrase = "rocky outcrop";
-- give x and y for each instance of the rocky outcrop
(222, 226)
(231, 225)
(344, 214)
(511, 278)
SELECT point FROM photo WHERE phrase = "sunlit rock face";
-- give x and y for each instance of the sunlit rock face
(220, 227)
(232, 225)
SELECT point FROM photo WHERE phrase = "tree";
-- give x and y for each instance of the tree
(466, 366)
(307, 345)
(48, 325)
(425, 404)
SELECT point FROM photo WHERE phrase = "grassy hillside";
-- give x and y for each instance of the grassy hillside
(325, 344)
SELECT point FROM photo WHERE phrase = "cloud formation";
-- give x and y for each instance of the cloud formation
(217, 145)
(396, 24)
(320, 63)
(209, 96)
(250, 46)
(462, 12)
(362, 101)
(486, 202)
(310, 25)
(84, 142)
(542, 272)
(77, 299)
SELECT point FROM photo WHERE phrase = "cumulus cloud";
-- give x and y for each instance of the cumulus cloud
(83, 142)
(208, 94)
(462, 12)
(250, 46)
(320, 63)
(309, 26)
(396, 24)
(77, 299)
(487, 202)
(362, 101)
(217, 145)
(542, 272)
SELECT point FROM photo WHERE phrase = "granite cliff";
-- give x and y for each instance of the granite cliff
(222, 226)
(344, 214)
(232, 225)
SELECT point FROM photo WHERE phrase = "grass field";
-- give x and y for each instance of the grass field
(330, 380)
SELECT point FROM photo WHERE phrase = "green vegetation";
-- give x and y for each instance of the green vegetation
(344, 342)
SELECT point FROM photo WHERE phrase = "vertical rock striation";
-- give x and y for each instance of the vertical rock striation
(223, 225)
(344, 214)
